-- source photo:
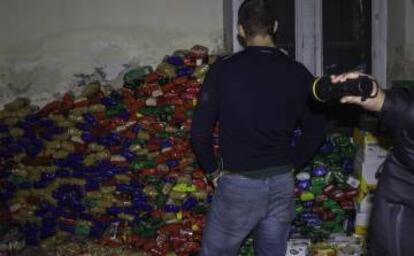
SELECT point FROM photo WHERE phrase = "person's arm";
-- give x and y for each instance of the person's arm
(313, 133)
(313, 126)
(397, 111)
(398, 114)
(204, 120)
(393, 106)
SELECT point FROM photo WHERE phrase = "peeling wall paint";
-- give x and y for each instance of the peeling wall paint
(45, 43)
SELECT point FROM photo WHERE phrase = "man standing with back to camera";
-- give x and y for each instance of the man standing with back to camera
(258, 96)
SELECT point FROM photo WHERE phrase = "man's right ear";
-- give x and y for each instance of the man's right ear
(241, 31)
(275, 26)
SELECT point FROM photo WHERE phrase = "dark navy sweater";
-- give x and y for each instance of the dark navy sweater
(258, 96)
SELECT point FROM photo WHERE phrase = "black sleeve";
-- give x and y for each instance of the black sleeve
(397, 110)
(398, 114)
(204, 120)
(313, 125)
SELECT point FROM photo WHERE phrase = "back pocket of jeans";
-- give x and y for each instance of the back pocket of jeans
(236, 207)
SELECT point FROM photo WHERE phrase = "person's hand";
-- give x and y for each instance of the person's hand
(371, 104)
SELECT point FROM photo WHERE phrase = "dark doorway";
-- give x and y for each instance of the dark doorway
(346, 35)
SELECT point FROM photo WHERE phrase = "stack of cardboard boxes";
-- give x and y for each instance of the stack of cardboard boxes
(371, 153)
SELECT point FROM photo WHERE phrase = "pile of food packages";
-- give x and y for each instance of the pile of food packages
(115, 168)
(326, 190)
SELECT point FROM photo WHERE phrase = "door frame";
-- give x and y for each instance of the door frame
(379, 40)
(309, 34)
(231, 42)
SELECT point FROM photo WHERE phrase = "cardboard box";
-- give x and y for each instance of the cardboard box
(367, 172)
(364, 204)
(362, 137)
(371, 148)
(298, 247)
(371, 153)
(361, 223)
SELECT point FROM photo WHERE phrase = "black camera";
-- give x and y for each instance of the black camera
(324, 90)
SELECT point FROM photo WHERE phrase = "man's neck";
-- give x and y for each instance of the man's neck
(261, 41)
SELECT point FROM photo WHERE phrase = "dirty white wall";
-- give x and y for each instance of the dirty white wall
(401, 40)
(45, 42)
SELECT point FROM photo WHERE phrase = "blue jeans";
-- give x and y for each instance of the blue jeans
(241, 205)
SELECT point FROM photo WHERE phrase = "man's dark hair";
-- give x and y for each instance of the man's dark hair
(256, 18)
